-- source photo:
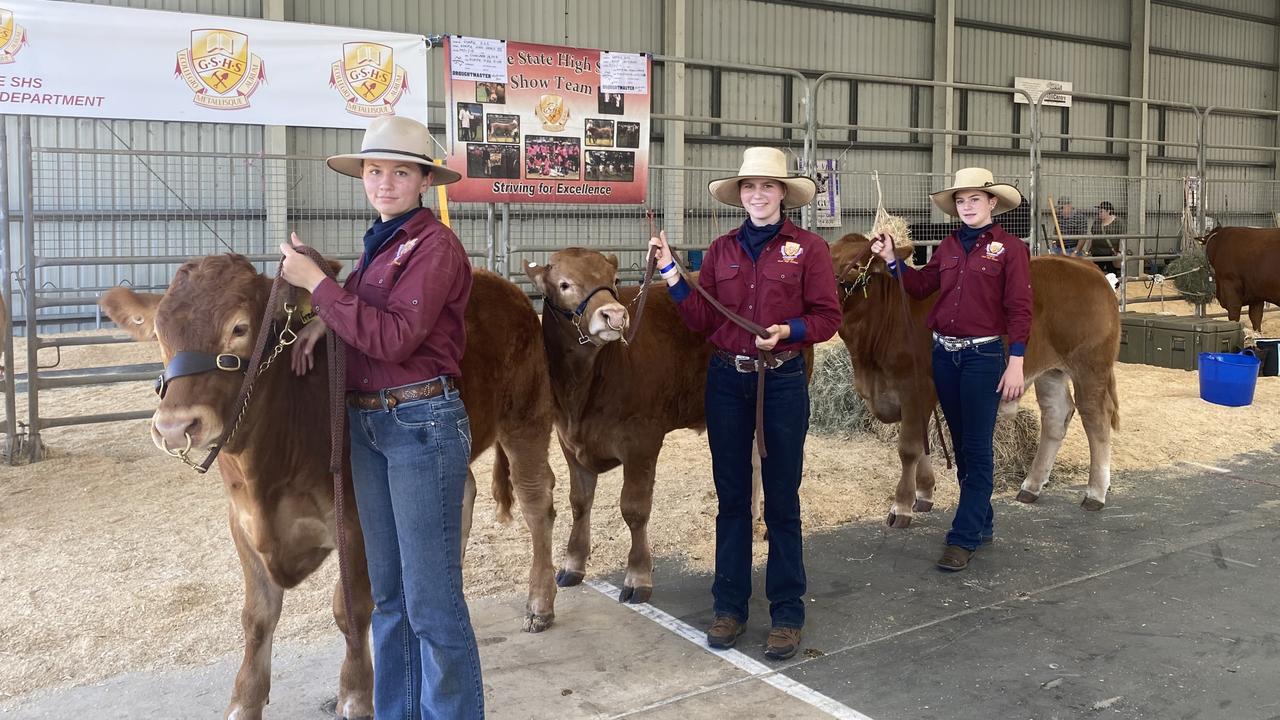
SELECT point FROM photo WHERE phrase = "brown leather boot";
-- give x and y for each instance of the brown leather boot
(954, 558)
(724, 632)
(782, 644)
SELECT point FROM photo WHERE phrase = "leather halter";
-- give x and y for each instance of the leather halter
(190, 362)
(575, 316)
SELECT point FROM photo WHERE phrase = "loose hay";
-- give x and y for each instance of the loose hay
(1192, 275)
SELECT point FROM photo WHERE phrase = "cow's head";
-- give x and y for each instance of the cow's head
(580, 286)
(206, 324)
(857, 267)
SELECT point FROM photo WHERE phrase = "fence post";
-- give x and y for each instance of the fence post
(1033, 195)
(11, 443)
(29, 261)
(506, 241)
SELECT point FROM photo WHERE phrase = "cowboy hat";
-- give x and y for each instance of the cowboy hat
(392, 137)
(764, 162)
(1007, 196)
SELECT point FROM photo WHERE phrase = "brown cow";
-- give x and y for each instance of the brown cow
(1075, 335)
(275, 468)
(1246, 267)
(615, 403)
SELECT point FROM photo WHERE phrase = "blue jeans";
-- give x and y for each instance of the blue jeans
(409, 466)
(966, 381)
(731, 423)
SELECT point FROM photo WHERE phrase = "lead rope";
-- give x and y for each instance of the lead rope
(650, 265)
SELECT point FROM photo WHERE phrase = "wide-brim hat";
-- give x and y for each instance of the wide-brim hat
(764, 162)
(396, 138)
(1007, 196)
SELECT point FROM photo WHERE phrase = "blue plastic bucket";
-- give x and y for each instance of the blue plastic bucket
(1228, 378)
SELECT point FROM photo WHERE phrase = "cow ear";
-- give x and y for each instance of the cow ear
(538, 274)
(134, 312)
(613, 260)
(903, 252)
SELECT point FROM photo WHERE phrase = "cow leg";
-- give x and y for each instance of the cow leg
(1255, 315)
(1095, 415)
(760, 532)
(637, 503)
(355, 682)
(534, 483)
(1056, 409)
(262, 602)
(908, 497)
(468, 509)
(582, 495)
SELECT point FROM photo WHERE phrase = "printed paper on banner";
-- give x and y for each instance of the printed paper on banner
(626, 73)
(478, 59)
(550, 133)
(151, 65)
(827, 198)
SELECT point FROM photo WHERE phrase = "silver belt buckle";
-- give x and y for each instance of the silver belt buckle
(744, 363)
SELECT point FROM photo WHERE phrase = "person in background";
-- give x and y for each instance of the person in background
(1107, 223)
(1071, 223)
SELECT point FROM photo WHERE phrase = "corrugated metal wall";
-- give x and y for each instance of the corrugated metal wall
(1198, 57)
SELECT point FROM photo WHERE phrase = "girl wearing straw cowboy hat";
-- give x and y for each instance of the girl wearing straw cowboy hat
(401, 315)
(982, 276)
(779, 276)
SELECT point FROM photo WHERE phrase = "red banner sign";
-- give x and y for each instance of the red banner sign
(530, 123)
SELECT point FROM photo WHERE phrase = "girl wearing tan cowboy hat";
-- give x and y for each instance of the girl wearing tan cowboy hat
(401, 315)
(772, 272)
(970, 371)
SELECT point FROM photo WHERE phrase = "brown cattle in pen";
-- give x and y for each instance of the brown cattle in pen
(1246, 268)
(275, 468)
(1075, 335)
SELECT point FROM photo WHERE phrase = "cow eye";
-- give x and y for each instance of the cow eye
(240, 330)
(564, 285)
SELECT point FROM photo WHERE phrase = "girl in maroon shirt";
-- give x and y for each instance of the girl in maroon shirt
(982, 276)
(779, 276)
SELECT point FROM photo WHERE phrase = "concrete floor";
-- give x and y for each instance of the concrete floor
(1163, 605)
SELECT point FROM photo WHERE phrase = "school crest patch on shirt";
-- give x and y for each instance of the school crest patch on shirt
(791, 252)
(995, 249)
(403, 250)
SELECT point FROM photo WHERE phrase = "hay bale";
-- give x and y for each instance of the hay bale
(1194, 275)
(835, 409)
(1014, 443)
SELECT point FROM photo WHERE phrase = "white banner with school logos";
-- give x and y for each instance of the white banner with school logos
(827, 198)
(79, 60)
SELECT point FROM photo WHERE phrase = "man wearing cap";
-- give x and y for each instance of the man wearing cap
(401, 313)
(779, 276)
(1107, 223)
(1071, 223)
(982, 275)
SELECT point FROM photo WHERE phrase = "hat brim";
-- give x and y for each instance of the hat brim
(800, 190)
(1007, 198)
(353, 165)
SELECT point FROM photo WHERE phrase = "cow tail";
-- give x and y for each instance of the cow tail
(502, 490)
(1113, 399)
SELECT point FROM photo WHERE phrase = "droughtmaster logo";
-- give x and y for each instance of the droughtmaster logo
(13, 37)
(219, 68)
(368, 79)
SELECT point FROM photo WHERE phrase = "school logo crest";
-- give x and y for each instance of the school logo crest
(368, 79)
(404, 250)
(995, 249)
(220, 69)
(791, 252)
(13, 37)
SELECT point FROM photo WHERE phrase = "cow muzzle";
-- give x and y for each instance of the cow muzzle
(609, 322)
(178, 432)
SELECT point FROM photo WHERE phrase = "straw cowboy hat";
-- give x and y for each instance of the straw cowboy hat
(392, 137)
(764, 162)
(1007, 196)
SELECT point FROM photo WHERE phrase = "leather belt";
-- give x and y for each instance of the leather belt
(750, 364)
(954, 344)
(391, 397)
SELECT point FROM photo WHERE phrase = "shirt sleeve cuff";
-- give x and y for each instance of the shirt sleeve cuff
(679, 291)
(1017, 349)
(893, 268)
(797, 330)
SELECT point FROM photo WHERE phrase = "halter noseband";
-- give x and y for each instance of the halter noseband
(575, 316)
(188, 362)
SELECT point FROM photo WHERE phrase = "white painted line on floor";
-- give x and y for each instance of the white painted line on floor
(1202, 466)
(755, 669)
(1222, 558)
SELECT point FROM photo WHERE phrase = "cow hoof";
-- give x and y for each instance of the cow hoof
(1091, 504)
(353, 710)
(922, 505)
(569, 578)
(635, 595)
(535, 623)
(899, 522)
(1026, 496)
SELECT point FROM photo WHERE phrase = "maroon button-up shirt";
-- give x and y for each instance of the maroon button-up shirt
(402, 312)
(791, 282)
(986, 292)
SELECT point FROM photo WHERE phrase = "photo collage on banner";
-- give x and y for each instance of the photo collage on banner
(543, 123)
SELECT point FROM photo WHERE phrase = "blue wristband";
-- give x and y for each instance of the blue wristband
(668, 268)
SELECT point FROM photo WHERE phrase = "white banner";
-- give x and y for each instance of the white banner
(78, 60)
(827, 177)
(1036, 87)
